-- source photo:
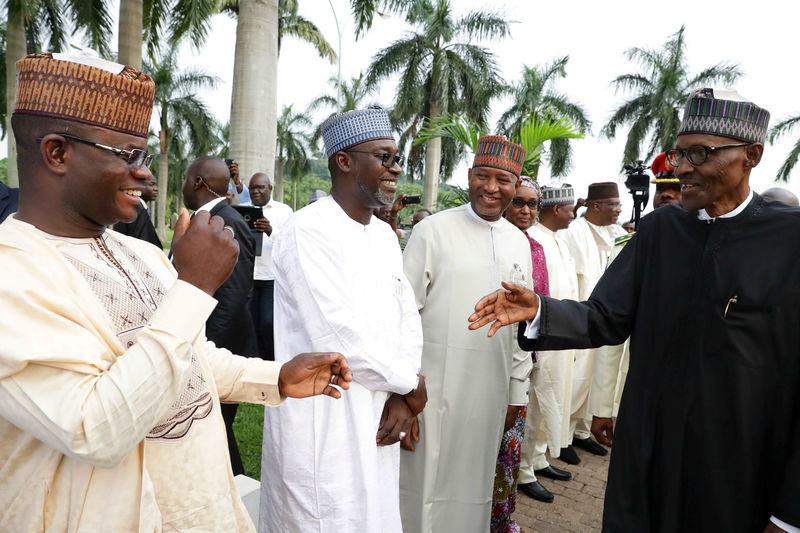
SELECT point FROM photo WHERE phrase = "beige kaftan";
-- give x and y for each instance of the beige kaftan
(452, 259)
(109, 391)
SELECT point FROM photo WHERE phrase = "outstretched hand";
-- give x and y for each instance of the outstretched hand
(310, 374)
(509, 305)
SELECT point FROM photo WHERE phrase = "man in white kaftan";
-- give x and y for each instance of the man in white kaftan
(590, 240)
(452, 257)
(340, 284)
(551, 382)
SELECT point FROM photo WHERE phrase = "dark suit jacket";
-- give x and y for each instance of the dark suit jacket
(230, 325)
(9, 201)
(141, 228)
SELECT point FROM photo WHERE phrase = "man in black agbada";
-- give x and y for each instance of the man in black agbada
(708, 433)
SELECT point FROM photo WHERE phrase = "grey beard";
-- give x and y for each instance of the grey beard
(379, 195)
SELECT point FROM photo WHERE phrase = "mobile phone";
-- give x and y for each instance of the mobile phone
(411, 199)
(228, 161)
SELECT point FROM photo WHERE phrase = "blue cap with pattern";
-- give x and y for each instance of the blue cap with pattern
(347, 129)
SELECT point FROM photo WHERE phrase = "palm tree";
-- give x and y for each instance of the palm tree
(441, 72)
(780, 129)
(182, 116)
(261, 26)
(349, 95)
(535, 92)
(28, 21)
(291, 157)
(659, 92)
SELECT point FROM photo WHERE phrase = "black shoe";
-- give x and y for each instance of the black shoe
(536, 491)
(553, 473)
(590, 446)
(569, 456)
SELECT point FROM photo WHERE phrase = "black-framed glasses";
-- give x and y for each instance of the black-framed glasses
(135, 157)
(696, 154)
(387, 160)
(519, 203)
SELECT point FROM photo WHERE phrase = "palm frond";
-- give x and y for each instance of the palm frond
(483, 25)
(783, 127)
(93, 18)
(461, 129)
(305, 30)
(784, 172)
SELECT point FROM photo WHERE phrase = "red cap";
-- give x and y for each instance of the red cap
(662, 170)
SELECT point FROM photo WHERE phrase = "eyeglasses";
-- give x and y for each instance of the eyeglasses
(387, 160)
(611, 204)
(135, 157)
(696, 154)
(519, 203)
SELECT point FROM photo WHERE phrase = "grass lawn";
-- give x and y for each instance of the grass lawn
(248, 427)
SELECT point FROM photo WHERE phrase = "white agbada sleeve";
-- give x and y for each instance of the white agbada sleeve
(331, 318)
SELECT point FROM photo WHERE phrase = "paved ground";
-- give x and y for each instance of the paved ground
(578, 504)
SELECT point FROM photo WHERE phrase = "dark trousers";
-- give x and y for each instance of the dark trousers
(228, 414)
(261, 311)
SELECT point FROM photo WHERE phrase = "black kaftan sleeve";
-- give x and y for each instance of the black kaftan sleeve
(605, 319)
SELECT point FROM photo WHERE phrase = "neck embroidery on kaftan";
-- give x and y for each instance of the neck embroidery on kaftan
(130, 293)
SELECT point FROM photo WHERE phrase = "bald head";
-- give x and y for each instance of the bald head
(206, 179)
(214, 172)
(781, 195)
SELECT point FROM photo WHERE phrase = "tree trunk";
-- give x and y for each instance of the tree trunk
(254, 106)
(433, 160)
(163, 182)
(130, 33)
(16, 48)
(278, 179)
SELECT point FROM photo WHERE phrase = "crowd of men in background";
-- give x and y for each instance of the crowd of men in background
(126, 397)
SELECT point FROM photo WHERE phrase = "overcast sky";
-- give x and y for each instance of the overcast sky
(594, 34)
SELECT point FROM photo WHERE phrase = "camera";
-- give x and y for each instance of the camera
(637, 179)
(411, 199)
(638, 184)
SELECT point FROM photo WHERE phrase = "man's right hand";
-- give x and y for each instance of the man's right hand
(603, 430)
(262, 224)
(509, 305)
(205, 254)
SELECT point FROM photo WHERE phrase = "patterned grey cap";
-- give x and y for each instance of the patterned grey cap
(724, 113)
(347, 129)
(563, 195)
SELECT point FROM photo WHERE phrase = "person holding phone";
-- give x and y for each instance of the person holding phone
(275, 214)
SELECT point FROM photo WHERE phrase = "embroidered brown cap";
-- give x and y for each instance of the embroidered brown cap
(52, 87)
(498, 152)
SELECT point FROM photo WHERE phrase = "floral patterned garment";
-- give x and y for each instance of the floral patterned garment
(505, 478)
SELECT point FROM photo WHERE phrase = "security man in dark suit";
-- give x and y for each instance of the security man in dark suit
(9, 199)
(230, 325)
